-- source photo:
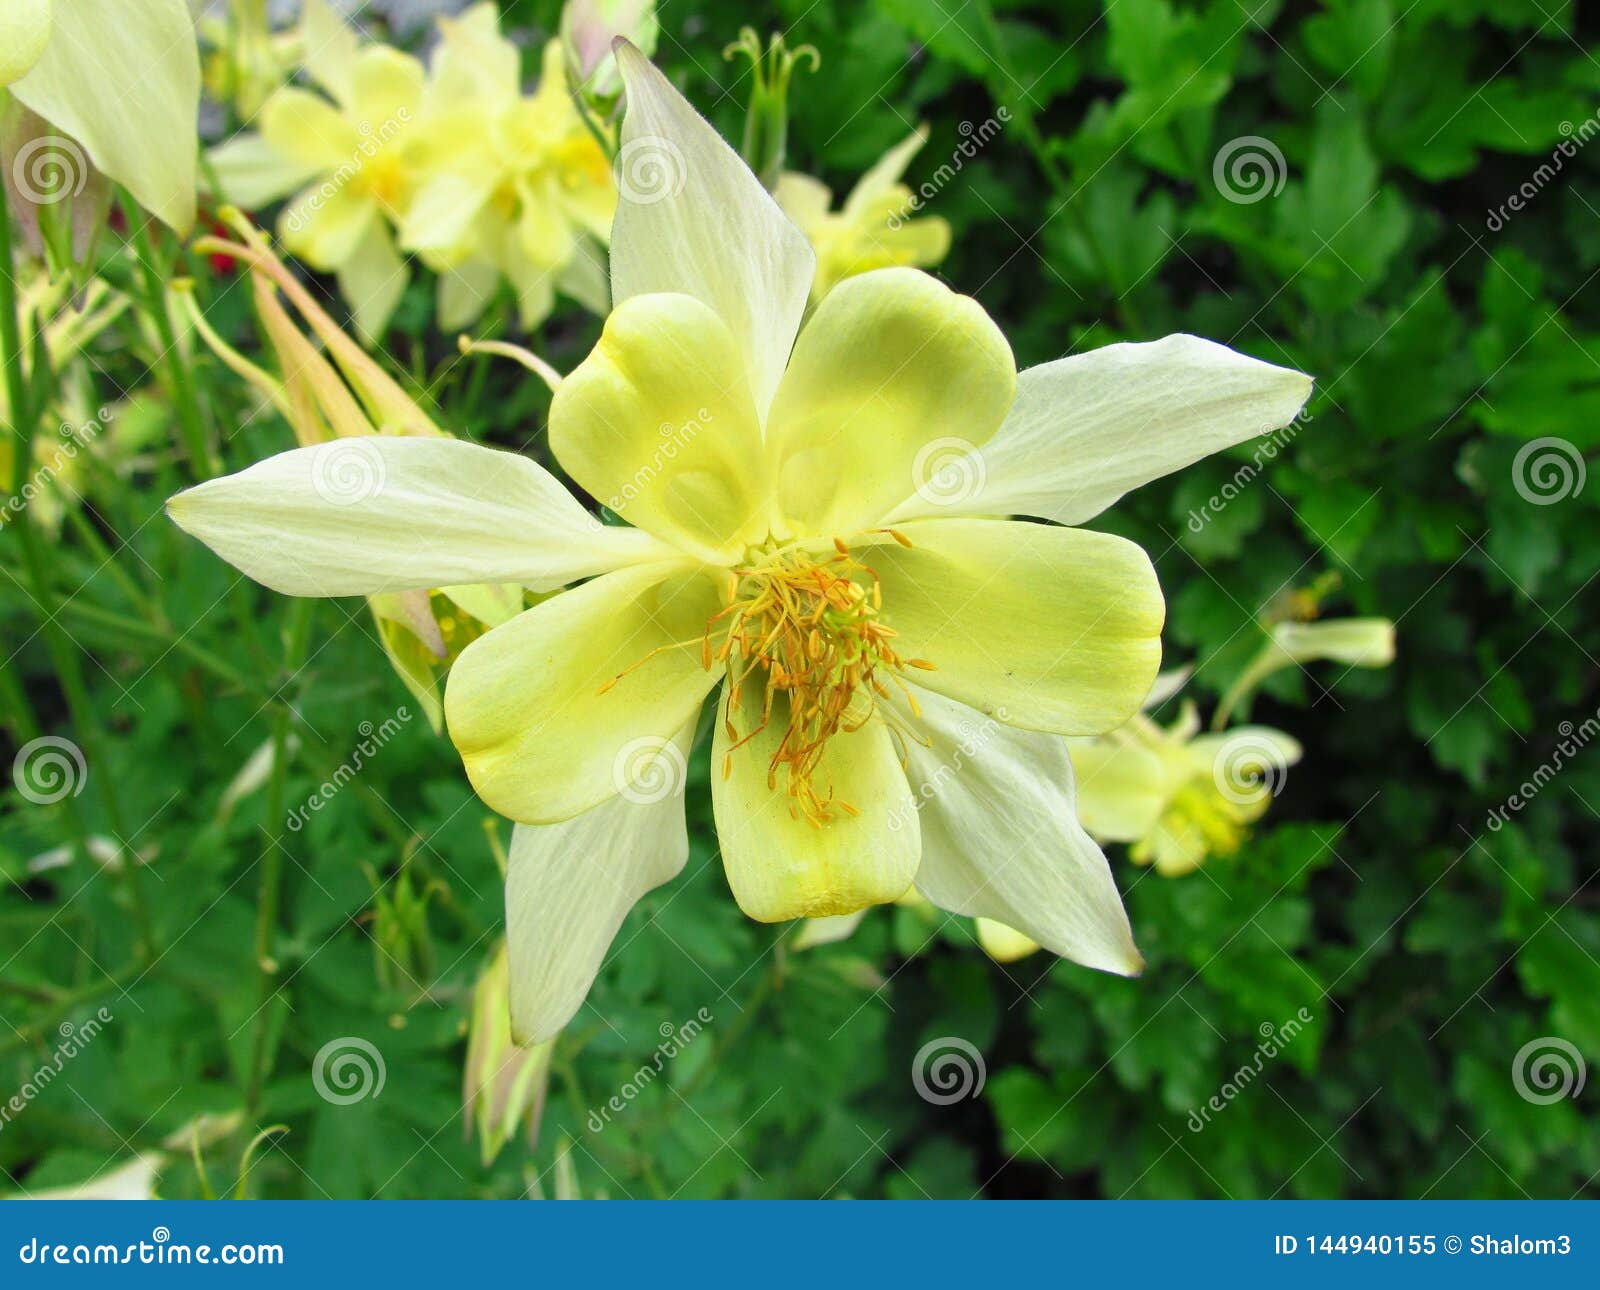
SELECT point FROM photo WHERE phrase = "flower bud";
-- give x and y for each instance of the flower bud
(504, 1084)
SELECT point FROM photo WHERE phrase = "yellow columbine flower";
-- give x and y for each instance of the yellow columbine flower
(892, 682)
(874, 228)
(1175, 795)
(123, 89)
(423, 630)
(348, 159)
(517, 186)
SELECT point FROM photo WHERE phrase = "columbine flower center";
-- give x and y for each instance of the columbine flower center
(806, 645)
(1198, 810)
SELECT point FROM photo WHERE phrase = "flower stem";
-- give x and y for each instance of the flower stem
(190, 420)
(272, 861)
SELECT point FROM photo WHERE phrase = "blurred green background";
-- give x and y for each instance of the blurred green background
(1365, 237)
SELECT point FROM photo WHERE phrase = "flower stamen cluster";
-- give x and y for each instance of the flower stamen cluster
(811, 632)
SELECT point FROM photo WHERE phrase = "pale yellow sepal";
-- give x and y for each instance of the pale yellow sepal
(127, 92)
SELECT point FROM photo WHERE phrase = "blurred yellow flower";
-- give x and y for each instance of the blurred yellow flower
(516, 185)
(1177, 796)
(874, 229)
(346, 155)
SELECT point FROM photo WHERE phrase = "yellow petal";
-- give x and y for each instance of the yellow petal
(780, 864)
(372, 278)
(251, 173)
(562, 707)
(385, 91)
(307, 130)
(1004, 944)
(658, 424)
(326, 225)
(804, 200)
(1045, 628)
(330, 46)
(1121, 788)
(885, 173)
(893, 366)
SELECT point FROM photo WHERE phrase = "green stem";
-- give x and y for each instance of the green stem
(272, 862)
(189, 417)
